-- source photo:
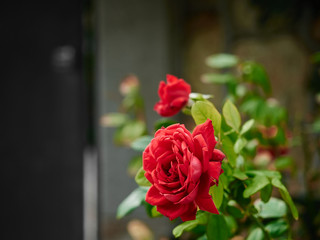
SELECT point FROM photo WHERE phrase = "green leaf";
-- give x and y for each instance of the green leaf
(141, 143)
(201, 111)
(283, 162)
(232, 224)
(216, 191)
(201, 219)
(218, 78)
(154, 212)
(131, 202)
(239, 174)
(114, 119)
(265, 193)
(239, 145)
(217, 228)
(199, 96)
(247, 126)
(222, 60)
(286, 197)
(257, 183)
(163, 122)
(268, 173)
(141, 180)
(130, 132)
(134, 165)
(228, 149)
(255, 73)
(315, 58)
(231, 115)
(275, 208)
(277, 228)
(234, 210)
(256, 234)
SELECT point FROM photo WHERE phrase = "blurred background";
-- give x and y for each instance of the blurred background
(62, 64)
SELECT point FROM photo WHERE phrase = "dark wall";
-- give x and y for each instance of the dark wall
(42, 119)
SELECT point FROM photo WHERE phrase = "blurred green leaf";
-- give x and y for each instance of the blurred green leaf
(315, 58)
(216, 191)
(239, 174)
(316, 126)
(203, 237)
(255, 73)
(286, 197)
(228, 149)
(236, 192)
(231, 115)
(114, 119)
(141, 143)
(132, 201)
(265, 193)
(247, 126)
(201, 111)
(233, 209)
(134, 165)
(217, 228)
(154, 212)
(283, 162)
(129, 132)
(163, 122)
(267, 173)
(256, 184)
(277, 228)
(201, 218)
(141, 180)
(240, 144)
(200, 96)
(218, 78)
(256, 234)
(232, 224)
(222, 60)
(274, 208)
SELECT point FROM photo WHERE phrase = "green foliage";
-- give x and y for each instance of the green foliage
(231, 115)
(222, 60)
(216, 191)
(218, 78)
(141, 143)
(217, 228)
(249, 121)
(255, 73)
(131, 202)
(141, 180)
(163, 122)
(201, 111)
(274, 208)
(201, 219)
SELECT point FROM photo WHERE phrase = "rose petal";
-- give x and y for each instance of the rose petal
(190, 214)
(214, 171)
(206, 130)
(218, 155)
(207, 204)
(172, 210)
(154, 197)
(195, 169)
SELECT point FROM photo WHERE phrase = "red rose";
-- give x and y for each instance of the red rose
(181, 168)
(173, 96)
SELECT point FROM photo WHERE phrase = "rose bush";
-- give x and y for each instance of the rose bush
(181, 168)
(182, 172)
(173, 96)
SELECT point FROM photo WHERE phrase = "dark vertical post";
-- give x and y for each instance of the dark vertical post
(42, 120)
